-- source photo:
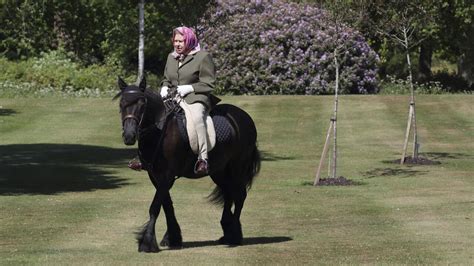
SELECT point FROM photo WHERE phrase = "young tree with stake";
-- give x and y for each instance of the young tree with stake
(341, 11)
(403, 23)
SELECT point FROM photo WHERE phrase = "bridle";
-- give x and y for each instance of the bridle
(133, 116)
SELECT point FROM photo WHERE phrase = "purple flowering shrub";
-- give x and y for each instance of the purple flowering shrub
(276, 47)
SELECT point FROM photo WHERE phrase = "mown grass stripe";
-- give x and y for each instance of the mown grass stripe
(76, 197)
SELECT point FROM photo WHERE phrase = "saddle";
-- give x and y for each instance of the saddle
(219, 128)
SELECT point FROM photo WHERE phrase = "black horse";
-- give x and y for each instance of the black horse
(166, 155)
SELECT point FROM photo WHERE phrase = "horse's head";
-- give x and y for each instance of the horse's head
(132, 109)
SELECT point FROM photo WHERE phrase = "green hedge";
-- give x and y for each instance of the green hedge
(392, 85)
(55, 69)
(56, 73)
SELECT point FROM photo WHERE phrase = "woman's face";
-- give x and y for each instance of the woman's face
(178, 43)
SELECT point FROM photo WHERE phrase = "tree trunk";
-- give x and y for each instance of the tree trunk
(466, 68)
(412, 114)
(141, 40)
(466, 59)
(334, 118)
(59, 28)
(424, 63)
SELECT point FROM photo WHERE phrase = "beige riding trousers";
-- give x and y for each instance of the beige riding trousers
(198, 113)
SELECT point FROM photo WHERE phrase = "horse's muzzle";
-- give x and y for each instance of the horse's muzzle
(129, 139)
(129, 134)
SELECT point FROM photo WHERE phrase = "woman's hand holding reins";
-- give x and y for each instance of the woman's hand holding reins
(184, 90)
(181, 90)
(164, 91)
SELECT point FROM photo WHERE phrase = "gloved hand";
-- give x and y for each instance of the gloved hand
(164, 91)
(184, 90)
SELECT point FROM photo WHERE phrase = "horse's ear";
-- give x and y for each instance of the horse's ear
(142, 85)
(121, 83)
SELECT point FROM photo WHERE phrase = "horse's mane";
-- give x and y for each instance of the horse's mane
(153, 95)
(132, 97)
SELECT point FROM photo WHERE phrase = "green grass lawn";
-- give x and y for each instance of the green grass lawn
(67, 197)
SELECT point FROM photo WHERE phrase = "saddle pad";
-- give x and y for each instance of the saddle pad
(192, 135)
(224, 131)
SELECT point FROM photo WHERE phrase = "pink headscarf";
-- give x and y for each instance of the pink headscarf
(190, 41)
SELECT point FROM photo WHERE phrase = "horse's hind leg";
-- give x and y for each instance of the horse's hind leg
(239, 195)
(227, 218)
(230, 221)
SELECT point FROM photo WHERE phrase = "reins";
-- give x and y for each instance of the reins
(171, 108)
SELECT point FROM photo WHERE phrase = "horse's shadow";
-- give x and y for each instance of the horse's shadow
(58, 168)
(246, 242)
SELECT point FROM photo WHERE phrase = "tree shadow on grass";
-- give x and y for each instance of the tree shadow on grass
(444, 155)
(430, 158)
(6, 112)
(246, 242)
(58, 168)
(385, 172)
(267, 156)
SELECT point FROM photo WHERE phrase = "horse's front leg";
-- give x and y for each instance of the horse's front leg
(146, 237)
(172, 237)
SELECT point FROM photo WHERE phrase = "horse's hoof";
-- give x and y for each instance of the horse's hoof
(222, 241)
(148, 249)
(172, 244)
(165, 243)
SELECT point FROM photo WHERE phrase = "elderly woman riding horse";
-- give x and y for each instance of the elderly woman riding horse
(164, 148)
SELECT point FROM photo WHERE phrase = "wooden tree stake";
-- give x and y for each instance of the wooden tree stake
(323, 155)
(407, 134)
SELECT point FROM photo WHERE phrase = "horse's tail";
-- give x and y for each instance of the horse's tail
(216, 196)
(249, 171)
(254, 168)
